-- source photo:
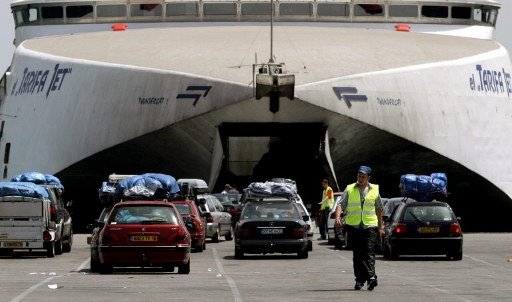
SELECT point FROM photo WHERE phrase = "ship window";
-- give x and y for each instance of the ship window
(7, 153)
(146, 10)
(460, 12)
(333, 9)
(254, 9)
(434, 11)
(219, 8)
(111, 10)
(52, 12)
(79, 11)
(368, 10)
(295, 9)
(182, 9)
(484, 15)
(405, 11)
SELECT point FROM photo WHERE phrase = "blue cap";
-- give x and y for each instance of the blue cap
(365, 169)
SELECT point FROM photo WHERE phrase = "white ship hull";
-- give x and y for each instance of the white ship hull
(153, 98)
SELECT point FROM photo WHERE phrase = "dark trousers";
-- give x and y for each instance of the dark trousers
(324, 215)
(363, 245)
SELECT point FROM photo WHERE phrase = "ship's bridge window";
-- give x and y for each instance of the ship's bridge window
(295, 9)
(106, 11)
(25, 15)
(226, 8)
(485, 15)
(368, 10)
(146, 10)
(182, 9)
(461, 12)
(256, 9)
(434, 11)
(403, 11)
(79, 11)
(333, 10)
(52, 12)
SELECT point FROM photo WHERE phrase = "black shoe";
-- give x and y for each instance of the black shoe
(372, 283)
(358, 285)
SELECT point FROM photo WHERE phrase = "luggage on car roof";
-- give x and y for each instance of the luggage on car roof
(424, 187)
(25, 189)
(38, 178)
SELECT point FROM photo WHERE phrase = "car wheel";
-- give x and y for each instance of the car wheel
(385, 251)
(329, 239)
(310, 246)
(105, 268)
(95, 263)
(229, 236)
(168, 268)
(50, 249)
(58, 247)
(393, 252)
(216, 236)
(338, 244)
(238, 253)
(66, 246)
(455, 255)
(184, 269)
(303, 254)
(199, 248)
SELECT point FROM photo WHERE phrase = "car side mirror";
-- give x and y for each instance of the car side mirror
(305, 218)
(190, 226)
(201, 201)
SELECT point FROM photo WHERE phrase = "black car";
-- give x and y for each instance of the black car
(272, 225)
(422, 228)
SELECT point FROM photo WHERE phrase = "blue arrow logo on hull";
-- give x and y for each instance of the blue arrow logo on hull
(349, 95)
(194, 96)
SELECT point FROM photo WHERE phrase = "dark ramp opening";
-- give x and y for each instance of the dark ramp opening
(276, 150)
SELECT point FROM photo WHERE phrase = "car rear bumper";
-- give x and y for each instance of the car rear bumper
(144, 255)
(426, 246)
(272, 246)
(211, 229)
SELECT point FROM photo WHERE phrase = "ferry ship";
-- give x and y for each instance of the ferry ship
(236, 91)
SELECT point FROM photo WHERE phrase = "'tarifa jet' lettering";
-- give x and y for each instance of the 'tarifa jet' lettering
(35, 81)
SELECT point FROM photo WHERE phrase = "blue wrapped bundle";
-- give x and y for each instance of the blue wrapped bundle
(424, 187)
(259, 189)
(38, 178)
(25, 189)
(282, 190)
(439, 182)
(146, 185)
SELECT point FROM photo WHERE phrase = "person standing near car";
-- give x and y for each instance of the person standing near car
(363, 207)
(325, 208)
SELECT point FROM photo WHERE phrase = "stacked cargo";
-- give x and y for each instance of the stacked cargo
(424, 187)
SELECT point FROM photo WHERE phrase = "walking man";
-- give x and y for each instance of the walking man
(362, 204)
(325, 208)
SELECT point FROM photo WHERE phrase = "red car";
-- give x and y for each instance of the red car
(144, 234)
(196, 223)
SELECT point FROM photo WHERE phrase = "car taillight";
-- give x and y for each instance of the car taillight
(298, 233)
(47, 236)
(455, 229)
(53, 210)
(400, 229)
(182, 235)
(233, 211)
(209, 218)
(243, 233)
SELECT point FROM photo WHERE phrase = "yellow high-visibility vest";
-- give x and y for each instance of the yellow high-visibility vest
(329, 202)
(365, 213)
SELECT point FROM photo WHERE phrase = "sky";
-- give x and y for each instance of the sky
(503, 31)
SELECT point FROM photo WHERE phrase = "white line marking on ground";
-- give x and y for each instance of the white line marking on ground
(444, 291)
(21, 296)
(231, 282)
(484, 262)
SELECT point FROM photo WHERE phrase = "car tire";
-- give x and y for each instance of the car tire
(303, 254)
(50, 249)
(58, 247)
(168, 268)
(66, 246)
(330, 240)
(95, 263)
(184, 269)
(204, 245)
(338, 244)
(393, 252)
(106, 268)
(199, 248)
(455, 255)
(229, 236)
(310, 246)
(216, 236)
(238, 253)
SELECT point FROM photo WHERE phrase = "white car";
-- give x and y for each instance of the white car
(309, 222)
(335, 236)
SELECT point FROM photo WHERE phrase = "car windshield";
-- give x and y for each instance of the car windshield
(228, 199)
(183, 208)
(271, 210)
(428, 213)
(142, 214)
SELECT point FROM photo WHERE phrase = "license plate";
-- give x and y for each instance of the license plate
(428, 229)
(12, 244)
(144, 238)
(271, 231)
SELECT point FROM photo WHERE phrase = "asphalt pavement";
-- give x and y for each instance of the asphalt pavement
(484, 274)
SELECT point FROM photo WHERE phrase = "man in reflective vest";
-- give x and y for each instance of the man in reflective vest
(325, 208)
(363, 207)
